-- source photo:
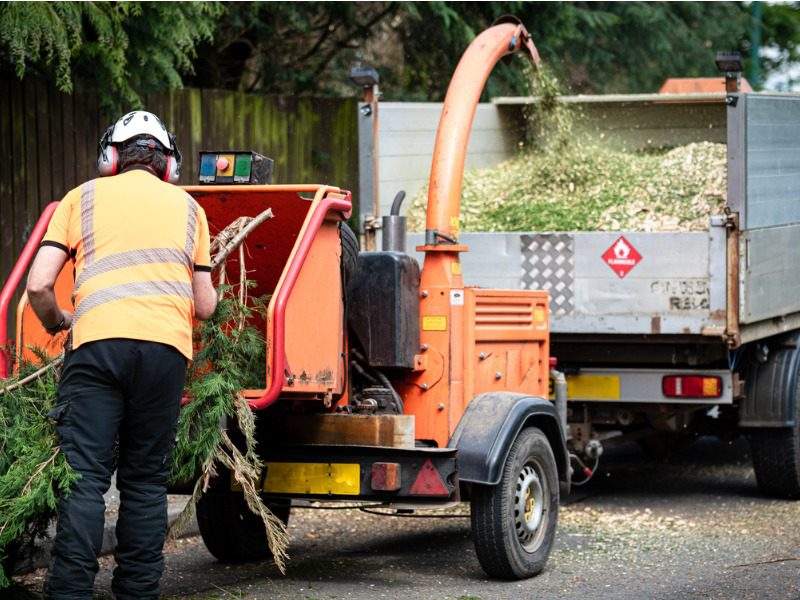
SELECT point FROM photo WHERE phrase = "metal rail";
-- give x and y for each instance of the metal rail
(24, 260)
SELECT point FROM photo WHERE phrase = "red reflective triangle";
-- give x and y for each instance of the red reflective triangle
(429, 482)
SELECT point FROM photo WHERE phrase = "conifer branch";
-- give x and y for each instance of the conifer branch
(56, 362)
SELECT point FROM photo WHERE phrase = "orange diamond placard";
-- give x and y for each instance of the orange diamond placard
(622, 257)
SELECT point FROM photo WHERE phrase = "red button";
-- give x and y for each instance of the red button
(222, 163)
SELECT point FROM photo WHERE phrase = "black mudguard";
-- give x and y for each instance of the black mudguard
(489, 427)
(772, 386)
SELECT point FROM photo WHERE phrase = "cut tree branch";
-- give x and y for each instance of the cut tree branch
(228, 246)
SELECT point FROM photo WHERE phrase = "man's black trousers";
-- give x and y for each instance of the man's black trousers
(127, 391)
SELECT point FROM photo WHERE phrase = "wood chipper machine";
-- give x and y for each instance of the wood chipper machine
(384, 382)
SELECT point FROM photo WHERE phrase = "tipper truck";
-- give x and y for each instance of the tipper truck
(666, 336)
(384, 382)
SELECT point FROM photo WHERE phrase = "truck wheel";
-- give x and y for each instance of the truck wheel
(514, 522)
(776, 460)
(231, 532)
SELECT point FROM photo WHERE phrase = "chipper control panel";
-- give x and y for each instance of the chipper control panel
(235, 167)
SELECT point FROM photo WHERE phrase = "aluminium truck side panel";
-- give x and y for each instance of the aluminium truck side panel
(764, 179)
(764, 140)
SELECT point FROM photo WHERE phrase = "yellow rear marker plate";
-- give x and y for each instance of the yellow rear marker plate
(591, 387)
(312, 478)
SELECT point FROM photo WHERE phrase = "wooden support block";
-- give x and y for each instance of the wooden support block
(395, 431)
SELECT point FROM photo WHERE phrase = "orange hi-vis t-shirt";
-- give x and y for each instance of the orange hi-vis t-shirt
(135, 242)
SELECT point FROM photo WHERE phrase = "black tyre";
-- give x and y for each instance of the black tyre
(776, 460)
(514, 522)
(231, 532)
(350, 249)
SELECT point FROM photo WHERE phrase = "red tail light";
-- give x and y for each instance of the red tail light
(691, 386)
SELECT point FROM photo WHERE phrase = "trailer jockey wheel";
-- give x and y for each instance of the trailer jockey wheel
(231, 532)
(514, 522)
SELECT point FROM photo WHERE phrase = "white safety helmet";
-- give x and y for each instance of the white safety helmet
(134, 124)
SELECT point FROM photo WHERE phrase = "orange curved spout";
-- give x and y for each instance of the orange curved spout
(458, 112)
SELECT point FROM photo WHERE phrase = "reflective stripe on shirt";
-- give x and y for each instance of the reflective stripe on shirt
(132, 290)
(87, 222)
(191, 226)
(131, 258)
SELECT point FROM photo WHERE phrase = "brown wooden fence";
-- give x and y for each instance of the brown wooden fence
(48, 142)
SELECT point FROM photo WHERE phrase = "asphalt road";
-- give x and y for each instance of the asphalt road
(692, 526)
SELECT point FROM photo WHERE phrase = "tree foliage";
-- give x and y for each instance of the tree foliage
(781, 32)
(289, 47)
(126, 49)
(593, 47)
(32, 469)
(122, 49)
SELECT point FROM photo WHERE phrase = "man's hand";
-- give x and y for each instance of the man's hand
(41, 283)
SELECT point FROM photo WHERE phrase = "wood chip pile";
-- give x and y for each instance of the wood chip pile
(590, 188)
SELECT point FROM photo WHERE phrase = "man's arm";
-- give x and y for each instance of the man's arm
(41, 293)
(205, 296)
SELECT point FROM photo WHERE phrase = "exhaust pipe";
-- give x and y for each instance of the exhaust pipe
(393, 227)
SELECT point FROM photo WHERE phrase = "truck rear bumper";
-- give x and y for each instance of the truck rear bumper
(640, 386)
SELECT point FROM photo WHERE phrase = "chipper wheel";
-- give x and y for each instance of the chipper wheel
(231, 532)
(514, 522)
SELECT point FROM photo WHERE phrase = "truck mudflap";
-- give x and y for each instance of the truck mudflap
(771, 396)
(490, 425)
(374, 473)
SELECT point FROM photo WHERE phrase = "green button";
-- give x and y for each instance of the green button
(241, 169)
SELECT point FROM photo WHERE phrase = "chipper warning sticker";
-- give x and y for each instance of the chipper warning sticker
(622, 257)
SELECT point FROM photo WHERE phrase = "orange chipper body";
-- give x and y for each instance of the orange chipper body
(383, 382)
(471, 340)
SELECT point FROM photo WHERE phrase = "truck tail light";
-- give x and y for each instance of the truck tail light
(691, 386)
(385, 477)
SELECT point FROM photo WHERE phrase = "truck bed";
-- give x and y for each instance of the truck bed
(737, 281)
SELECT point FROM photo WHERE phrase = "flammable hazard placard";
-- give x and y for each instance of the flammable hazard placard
(622, 257)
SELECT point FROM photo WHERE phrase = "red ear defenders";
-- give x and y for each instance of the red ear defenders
(108, 159)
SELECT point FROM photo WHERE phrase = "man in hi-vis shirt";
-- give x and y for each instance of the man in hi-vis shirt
(140, 250)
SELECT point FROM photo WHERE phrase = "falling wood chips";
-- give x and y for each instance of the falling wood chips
(588, 188)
